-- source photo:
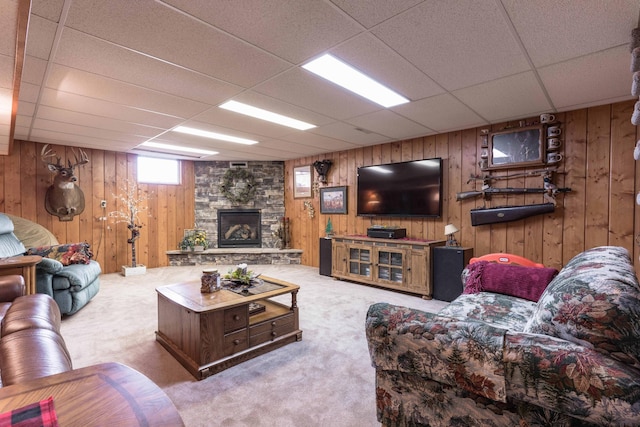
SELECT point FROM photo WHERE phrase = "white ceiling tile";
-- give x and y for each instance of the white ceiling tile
(599, 76)
(134, 67)
(29, 92)
(26, 108)
(389, 124)
(369, 55)
(7, 64)
(41, 35)
(34, 70)
(97, 122)
(76, 140)
(441, 113)
(98, 107)
(288, 29)
(503, 99)
(87, 132)
(49, 9)
(348, 132)
(324, 143)
(8, 27)
(300, 87)
(77, 50)
(79, 82)
(373, 12)
(554, 31)
(174, 37)
(456, 43)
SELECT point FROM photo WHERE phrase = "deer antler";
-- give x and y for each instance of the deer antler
(79, 161)
(48, 153)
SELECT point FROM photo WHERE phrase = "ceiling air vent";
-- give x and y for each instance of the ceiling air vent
(238, 165)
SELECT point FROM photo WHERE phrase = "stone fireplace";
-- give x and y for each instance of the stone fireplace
(239, 228)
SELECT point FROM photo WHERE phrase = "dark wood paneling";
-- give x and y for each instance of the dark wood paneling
(24, 180)
(598, 165)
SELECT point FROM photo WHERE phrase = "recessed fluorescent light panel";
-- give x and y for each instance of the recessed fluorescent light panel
(214, 135)
(351, 79)
(261, 114)
(178, 148)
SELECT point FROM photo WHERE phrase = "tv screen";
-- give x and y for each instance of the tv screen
(407, 189)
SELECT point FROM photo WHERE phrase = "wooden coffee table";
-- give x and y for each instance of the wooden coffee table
(210, 332)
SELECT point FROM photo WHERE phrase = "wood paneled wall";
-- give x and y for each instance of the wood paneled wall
(598, 166)
(24, 180)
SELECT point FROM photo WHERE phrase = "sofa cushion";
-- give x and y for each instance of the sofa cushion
(76, 276)
(32, 311)
(594, 301)
(32, 234)
(9, 243)
(67, 254)
(499, 310)
(21, 355)
(514, 280)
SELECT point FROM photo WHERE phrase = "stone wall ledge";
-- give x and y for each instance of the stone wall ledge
(239, 251)
(233, 256)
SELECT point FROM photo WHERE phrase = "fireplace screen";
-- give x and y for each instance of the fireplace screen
(239, 228)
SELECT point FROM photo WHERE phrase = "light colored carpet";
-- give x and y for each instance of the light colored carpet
(324, 380)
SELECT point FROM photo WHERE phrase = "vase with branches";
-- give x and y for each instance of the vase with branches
(131, 207)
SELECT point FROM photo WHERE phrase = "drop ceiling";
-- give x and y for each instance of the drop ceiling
(113, 74)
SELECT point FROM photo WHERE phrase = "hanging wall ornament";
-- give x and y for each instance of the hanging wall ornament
(238, 186)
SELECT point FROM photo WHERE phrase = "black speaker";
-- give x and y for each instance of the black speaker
(448, 263)
(325, 256)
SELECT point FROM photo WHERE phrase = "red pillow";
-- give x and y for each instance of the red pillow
(508, 279)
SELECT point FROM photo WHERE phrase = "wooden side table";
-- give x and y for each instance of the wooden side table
(24, 266)
(108, 394)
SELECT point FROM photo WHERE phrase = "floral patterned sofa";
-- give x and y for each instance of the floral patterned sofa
(570, 359)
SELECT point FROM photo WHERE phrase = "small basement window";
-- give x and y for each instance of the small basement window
(153, 170)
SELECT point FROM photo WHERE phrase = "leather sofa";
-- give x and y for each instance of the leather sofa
(571, 358)
(71, 286)
(30, 342)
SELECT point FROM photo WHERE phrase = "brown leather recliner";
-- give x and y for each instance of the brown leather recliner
(30, 342)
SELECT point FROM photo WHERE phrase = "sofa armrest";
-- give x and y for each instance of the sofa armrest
(11, 287)
(463, 353)
(49, 265)
(569, 378)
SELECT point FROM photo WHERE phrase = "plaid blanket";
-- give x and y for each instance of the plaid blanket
(39, 414)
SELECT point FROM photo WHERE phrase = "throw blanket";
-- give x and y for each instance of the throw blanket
(39, 414)
(514, 280)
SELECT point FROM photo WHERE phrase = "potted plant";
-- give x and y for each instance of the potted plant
(194, 240)
(131, 207)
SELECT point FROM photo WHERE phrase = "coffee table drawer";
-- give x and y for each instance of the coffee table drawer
(235, 318)
(270, 330)
(235, 342)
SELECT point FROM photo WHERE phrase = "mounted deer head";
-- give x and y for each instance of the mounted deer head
(64, 198)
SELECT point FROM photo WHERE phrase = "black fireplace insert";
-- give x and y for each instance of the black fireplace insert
(239, 228)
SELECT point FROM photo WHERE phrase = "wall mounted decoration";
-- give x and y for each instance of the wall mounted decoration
(64, 198)
(302, 181)
(519, 147)
(333, 200)
(238, 186)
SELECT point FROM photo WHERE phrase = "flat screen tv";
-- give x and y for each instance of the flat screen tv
(407, 189)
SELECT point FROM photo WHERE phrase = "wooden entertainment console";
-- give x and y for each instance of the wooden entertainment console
(399, 264)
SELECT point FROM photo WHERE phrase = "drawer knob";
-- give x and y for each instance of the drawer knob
(236, 342)
(236, 317)
(273, 334)
(273, 323)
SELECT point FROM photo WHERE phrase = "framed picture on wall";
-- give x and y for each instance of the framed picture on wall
(302, 181)
(333, 200)
(513, 148)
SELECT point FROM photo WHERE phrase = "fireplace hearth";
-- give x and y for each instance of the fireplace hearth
(239, 228)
